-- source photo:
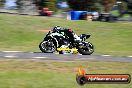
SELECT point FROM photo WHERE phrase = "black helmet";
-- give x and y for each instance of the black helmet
(56, 28)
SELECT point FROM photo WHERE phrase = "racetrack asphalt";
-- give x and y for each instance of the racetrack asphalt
(63, 57)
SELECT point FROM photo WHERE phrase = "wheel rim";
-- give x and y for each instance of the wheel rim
(89, 48)
(46, 47)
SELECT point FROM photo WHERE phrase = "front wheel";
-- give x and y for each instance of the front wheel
(86, 49)
(47, 47)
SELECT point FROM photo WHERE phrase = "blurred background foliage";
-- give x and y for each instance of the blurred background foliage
(2, 2)
(84, 5)
(51, 4)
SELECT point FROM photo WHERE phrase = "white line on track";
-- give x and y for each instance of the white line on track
(39, 57)
(10, 56)
(11, 51)
(106, 55)
(129, 56)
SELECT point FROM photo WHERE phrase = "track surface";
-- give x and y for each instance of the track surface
(66, 57)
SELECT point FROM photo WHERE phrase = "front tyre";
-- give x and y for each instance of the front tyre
(86, 49)
(47, 47)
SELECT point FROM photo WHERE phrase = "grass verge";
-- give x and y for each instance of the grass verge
(56, 74)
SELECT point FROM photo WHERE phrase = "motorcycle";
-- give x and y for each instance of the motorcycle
(53, 41)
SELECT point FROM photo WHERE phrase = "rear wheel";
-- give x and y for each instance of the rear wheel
(47, 47)
(86, 49)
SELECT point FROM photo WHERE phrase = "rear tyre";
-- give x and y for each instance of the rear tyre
(47, 47)
(86, 49)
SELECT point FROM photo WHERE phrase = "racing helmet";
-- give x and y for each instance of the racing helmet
(56, 29)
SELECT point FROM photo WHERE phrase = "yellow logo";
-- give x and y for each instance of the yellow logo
(73, 49)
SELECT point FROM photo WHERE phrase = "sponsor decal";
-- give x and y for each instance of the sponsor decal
(61, 49)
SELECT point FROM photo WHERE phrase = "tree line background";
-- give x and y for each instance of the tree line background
(86, 5)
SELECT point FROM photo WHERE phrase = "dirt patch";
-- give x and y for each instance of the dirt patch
(44, 30)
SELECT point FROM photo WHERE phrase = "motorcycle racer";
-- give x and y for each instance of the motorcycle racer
(73, 37)
(64, 38)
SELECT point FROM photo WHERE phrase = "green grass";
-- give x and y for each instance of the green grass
(56, 74)
(19, 33)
